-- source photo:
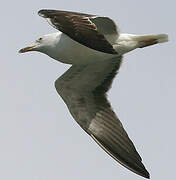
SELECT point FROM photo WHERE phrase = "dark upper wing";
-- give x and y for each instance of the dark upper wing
(82, 28)
(83, 88)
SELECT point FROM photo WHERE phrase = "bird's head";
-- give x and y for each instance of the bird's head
(42, 44)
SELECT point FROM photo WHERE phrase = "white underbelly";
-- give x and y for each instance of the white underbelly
(72, 52)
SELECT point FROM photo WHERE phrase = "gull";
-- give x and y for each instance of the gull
(94, 47)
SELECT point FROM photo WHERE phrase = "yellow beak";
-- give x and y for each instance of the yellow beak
(26, 49)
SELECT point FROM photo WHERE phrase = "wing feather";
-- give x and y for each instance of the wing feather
(82, 28)
(83, 88)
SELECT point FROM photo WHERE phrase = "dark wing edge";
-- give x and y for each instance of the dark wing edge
(85, 97)
(79, 27)
(143, 172)
(108, 132)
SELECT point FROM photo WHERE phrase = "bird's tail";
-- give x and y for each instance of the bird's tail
(148, 40)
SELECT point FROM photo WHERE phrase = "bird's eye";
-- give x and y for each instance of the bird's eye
(38, 40)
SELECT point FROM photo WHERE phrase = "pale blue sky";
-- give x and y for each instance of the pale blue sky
(39, 140)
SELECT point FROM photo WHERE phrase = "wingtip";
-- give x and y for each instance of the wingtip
(134, 166)
(146, 175)
(42, 12)
(143, 172)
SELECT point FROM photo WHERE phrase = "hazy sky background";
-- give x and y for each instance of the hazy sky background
(39, 140)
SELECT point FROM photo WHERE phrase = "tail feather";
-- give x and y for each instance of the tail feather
(148, 40)
(162, 38)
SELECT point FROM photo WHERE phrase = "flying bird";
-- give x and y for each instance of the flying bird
(95, 47)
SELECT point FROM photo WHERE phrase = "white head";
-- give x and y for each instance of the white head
(44, 44)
